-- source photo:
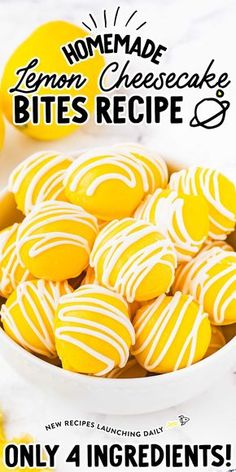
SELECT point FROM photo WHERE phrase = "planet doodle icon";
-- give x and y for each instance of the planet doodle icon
(209, 113)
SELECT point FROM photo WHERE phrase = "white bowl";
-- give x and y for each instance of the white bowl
(113, 396)
(120, 396)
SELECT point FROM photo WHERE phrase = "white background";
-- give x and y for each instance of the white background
(195, 32)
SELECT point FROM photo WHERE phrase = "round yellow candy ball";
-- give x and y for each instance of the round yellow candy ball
(218, 191)
(93, 331)
(211, 279)
(134, 259)
(39, 178)
(107, 183)
(172, 214)
(28, 315)
(171, 333)
(155, 166)
(12, 273)
(55, 239)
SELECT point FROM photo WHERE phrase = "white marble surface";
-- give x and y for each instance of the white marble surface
(195, 32)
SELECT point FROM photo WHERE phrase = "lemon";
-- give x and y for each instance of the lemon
(4, 441)
(45, 44)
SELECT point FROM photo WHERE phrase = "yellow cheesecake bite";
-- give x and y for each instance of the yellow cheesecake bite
(28, 315)
(211, 279)
(39, 178)
(171, 333)
(108, 183)
(12, 273)
(154, 164)
(55, 239)
(217, 341)
(93, 331)
(172, 214)
(219, 192)
(132, 258)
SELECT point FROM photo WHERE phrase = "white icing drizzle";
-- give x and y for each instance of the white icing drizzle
(209, 244)
(148, 157)
(51, 188)
(88, 299)
(47, 294)
(89, 277)
(12, 272)
(125, 169)
(166, 212)
(50, 212)
(128, 232)
(194, 278)
(152, 340)
(188, 181)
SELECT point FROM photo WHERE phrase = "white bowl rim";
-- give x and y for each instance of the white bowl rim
(89, 379)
